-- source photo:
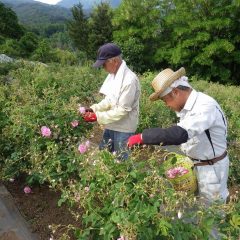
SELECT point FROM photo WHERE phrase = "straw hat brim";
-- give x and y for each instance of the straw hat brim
(176, 75)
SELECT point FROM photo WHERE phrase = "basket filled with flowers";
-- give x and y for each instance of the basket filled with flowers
(179, 171)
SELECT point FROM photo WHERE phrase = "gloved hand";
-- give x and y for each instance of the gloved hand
(135, 140)
(83, 110)
(90, 117)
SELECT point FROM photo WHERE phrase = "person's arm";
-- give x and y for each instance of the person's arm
(101, 106)
(174, 135)
(123, 107)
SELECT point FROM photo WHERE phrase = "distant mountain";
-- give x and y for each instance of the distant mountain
(30, 12)
(87, 4)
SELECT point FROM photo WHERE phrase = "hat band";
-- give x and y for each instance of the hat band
(182, 81)
(167, 91)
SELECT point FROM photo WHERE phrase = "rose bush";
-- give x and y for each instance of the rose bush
(43, 136)
(42, 119)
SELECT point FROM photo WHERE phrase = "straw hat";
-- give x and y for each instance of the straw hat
(163, 80)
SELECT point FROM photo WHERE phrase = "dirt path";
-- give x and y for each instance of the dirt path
(12, 225)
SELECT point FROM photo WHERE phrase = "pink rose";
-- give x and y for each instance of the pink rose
(45, 131)
(27, 190)
(82, 148)
(74, 123)
(82, 110)
(176, 172)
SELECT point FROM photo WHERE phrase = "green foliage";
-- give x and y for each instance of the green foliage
(43, 96)
(44, 52)
(28, 44)
(36, 14)
(65, 57)
(9, 26)
(131, 198)
(78, 28)
(88, 34)
(138, 22)
(10, 47)
(201, 35)
(5, 68)
(100, 27)
(61, 40)
(2, 39)
(47, 29)
(132, 50)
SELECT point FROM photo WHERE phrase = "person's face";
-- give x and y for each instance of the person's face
(174, 100)
(111, 65)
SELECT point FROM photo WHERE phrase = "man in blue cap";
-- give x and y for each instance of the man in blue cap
(119, 110)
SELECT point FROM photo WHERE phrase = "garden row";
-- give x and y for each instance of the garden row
(44, 138)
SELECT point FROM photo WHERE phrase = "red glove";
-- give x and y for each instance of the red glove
(90, 117)
(135, 140)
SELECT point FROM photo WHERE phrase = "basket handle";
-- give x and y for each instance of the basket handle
(167, 154)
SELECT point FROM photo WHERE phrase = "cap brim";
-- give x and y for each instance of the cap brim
(99, 63)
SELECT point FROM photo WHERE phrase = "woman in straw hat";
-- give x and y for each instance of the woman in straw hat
(201, 131)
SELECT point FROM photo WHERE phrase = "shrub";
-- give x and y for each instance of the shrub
(65, 57)
(44, 96)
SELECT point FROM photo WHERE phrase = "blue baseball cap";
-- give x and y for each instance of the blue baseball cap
(106, 51)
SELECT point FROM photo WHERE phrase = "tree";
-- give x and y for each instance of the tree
(61, 40)
(138, 21)
(10, 47)
(44, 52)
(204, 37)
(9, 26)
(28, 43)
(100, 27)
(78, 28)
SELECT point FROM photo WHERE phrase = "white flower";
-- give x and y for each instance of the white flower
(179, 214)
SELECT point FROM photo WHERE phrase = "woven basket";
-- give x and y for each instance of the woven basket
(186, 182)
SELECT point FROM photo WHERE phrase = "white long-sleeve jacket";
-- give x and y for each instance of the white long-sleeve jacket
(119, 110)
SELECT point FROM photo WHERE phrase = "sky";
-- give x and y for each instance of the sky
(48, 1)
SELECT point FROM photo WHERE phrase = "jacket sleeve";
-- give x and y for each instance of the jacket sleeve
(174, 135)
(101, 106)
(110, 116)
(121, 109)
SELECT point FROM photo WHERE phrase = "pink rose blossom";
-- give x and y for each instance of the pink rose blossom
(46, 132)
(74, 123)
(82, 148)
(27, 190)
(82, 110)
(176, 172)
